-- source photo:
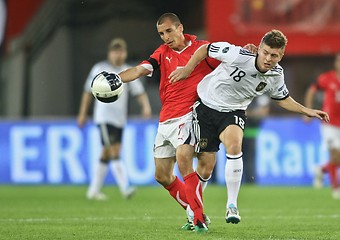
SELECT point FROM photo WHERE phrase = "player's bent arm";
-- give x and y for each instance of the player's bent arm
(133, 73)
(144, 102)
(183, 73)
(85, 103)
(291, 105)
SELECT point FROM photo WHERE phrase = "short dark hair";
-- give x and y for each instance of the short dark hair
(275, 39)
(171, 16)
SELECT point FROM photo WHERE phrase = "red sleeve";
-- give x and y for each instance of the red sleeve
(155, 58)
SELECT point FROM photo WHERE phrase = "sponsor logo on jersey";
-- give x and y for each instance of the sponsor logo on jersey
(261, 86)
(169, 59)
(225, 50)
(203, 143)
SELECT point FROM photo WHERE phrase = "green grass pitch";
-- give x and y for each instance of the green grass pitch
(62, 212)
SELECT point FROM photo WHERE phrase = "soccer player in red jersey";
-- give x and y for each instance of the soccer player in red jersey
(329, 83)
(175, 140)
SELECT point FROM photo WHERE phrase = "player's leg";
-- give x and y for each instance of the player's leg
(332, 169)
(205, 167)
(94, 190)
(331, 137)
(164, 155)
(119, 169)
(231, 137)
(203, 130)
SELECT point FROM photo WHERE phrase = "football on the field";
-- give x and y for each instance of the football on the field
(107, 87)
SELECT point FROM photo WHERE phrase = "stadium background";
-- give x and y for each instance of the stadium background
(49, 47)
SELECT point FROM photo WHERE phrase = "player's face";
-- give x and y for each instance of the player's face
(268, 57)
(117, 57)
(172, 35)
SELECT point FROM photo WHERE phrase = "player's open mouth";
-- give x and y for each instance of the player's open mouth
(267, 65)
(169, 43)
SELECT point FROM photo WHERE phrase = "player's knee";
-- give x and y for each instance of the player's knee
(205, 169)
(163, 179)
(234, 148)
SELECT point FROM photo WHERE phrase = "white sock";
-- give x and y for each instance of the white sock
(204, 181)
(120, 173)
(233, 177)
(97, 179)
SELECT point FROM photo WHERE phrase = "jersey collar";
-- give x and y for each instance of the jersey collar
(189, 38)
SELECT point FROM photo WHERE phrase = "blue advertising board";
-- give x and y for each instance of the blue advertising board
(287, 151)
(58, 152)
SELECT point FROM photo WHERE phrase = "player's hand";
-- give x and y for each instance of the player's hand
(251, 48)
(179, 74)
(306, 119)
(81, 120)
(318, 114)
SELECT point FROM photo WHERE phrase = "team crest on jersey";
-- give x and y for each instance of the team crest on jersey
(261, 86)
(225, 50)
(203, 143)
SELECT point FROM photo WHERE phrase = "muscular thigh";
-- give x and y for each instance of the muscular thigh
(165, 166)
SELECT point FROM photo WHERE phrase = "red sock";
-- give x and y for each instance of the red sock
(177, 191)
(193, 190)
(333, 175)
(332, 170)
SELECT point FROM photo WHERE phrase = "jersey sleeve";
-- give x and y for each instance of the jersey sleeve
(136, 87)
(223, 51)
(279, 90)
(153, 62)
(94, 71)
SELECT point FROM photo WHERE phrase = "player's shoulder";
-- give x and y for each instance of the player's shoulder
(245, 52)
(327, 75)
(103, 63)
(200, 42)
(277, 70)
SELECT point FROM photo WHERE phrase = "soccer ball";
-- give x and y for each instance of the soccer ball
(107, 87)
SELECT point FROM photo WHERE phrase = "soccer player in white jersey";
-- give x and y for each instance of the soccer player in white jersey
(226, 93)
(111, 118)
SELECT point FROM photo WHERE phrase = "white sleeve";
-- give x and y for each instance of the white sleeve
(94, 71)
(279, 90)
(136, 87)
(223, 51)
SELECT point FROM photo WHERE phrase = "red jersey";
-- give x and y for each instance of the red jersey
(329, 82)
(178, 98)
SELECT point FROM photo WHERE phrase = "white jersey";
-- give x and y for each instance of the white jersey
(236, 81)
(113, 113)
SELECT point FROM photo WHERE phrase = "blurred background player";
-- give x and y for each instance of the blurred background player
(111, 118)
(329, 83)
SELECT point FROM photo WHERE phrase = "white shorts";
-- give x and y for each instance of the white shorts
(171, 134)
(331, 136)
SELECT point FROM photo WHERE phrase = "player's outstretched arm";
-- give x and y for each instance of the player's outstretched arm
(133, 73)
(183, 73)
(291, 105)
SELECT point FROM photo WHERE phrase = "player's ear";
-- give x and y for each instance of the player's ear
(180, 27)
